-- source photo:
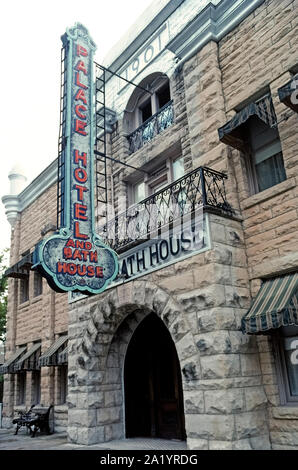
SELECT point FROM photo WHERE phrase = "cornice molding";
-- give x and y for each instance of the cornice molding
(15, 204)
(147, 32)
(211, 24)
(38, 186)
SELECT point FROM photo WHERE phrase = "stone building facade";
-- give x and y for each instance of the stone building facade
(218, 135)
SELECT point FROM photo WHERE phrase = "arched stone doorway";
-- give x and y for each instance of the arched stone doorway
(101, 335)
(152, 383)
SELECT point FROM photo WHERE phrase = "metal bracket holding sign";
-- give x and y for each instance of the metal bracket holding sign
(75, 258)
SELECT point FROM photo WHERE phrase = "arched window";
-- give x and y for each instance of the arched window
(147, 114)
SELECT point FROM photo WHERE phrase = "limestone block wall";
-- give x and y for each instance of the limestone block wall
(201, 300)
(41, 212)
(256, 57)
(258, 51)
(40, 318)
(229, 386)
(205, 104)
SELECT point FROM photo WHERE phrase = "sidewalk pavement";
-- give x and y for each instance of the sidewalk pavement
(58, 441)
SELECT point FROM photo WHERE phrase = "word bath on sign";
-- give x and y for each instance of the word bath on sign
(75, 258)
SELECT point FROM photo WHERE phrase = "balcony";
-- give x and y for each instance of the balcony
(202, 188)
(156, 124)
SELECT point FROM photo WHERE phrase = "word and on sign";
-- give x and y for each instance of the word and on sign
(75, 258)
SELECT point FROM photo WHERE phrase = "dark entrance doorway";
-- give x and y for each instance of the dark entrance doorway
(153, 386)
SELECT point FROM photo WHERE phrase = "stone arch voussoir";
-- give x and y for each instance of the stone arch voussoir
(118, 312)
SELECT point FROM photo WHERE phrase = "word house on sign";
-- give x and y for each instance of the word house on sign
(75, 258)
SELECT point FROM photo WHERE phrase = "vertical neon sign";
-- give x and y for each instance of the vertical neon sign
(75, 258)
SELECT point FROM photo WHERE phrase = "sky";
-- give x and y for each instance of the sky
(30, 75)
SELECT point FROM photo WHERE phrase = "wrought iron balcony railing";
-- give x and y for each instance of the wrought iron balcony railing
(202, 188)
(152, 127)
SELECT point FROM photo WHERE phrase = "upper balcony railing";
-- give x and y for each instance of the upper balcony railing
(201, 188)
(152, 127)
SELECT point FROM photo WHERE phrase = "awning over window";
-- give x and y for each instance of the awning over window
(63, 356)
(275, 305)
(29, 361)
(288, 94)
(7, 367)
(21, 269)
(232, 132)
(16, 272)
(50, 357)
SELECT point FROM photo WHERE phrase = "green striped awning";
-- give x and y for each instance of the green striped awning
(29, 361)
(50, 357)
(275, 305)
(63, 356)
(8, 366)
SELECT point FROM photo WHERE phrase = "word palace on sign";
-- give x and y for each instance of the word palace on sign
(75, 258)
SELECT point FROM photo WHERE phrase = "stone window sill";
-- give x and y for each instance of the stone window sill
(285, 412)
(268, 193)
(21, 408)
(29, 302)
(24, 304)
(61, 408)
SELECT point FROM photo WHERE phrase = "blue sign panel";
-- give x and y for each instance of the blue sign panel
(75, 258)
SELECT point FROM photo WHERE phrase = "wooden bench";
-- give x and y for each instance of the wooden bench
(35, 420)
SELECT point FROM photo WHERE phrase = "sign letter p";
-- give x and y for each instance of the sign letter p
(81, 51)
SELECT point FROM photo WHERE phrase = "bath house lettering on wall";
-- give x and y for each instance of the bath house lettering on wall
(188, 238)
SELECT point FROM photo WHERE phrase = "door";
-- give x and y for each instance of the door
(152, 381)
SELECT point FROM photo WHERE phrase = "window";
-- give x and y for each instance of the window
(146, 111)
(158, 179)
(37, 284)
(21, 383)
(1, 389)
(287, 349)
(168, 172)
(163, 95)
(178, 168)
(24, 290)
(168, 204)
(63, 384)
(266, 163)
(181, 193)
(139, 192)
(253, 130)
(158, 185)
(149, 113)
(36, 386)
(160, 96)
